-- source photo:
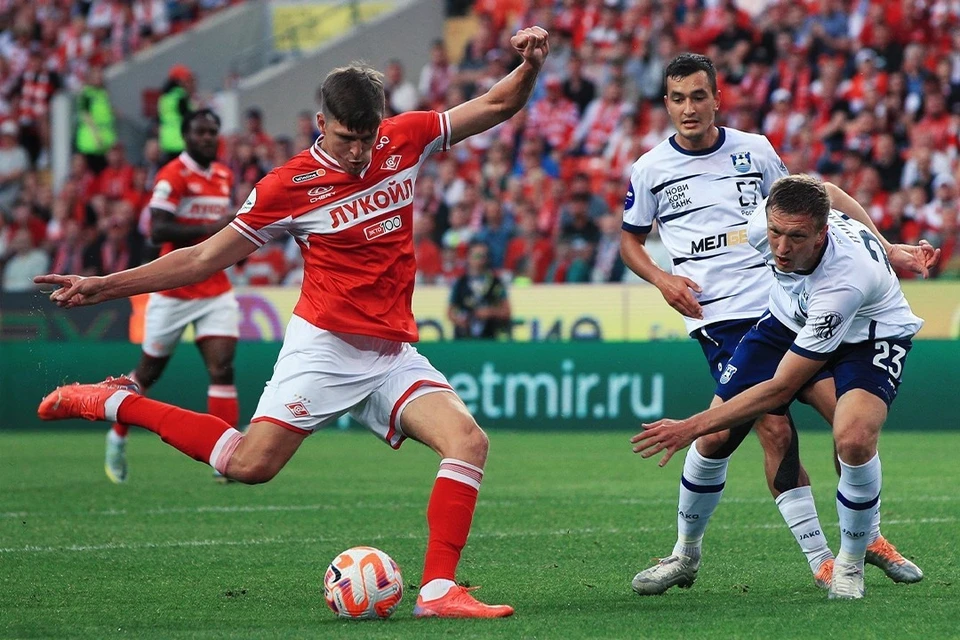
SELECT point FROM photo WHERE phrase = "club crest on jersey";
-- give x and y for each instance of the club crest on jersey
(727, 374)
(804, 302)
(320, 193)
(392, 163)
(826, 324)
(306, 177)
(741, 161)
(383, 227)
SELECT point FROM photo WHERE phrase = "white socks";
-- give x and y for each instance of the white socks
(858, 496)
(112, 405)
(701, 487)
(436, 588)
(800, 513)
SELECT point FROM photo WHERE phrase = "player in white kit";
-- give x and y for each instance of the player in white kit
(700, 186)
(837, 305)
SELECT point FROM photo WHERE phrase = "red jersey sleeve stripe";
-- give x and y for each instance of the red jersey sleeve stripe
(445, 130)
(247, 232)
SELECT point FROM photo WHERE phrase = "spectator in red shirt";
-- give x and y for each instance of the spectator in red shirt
(117, 178)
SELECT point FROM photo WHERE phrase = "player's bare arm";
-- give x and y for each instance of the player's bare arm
(176, 269)
(674, 435)
(165, 228)
(917, 258)
(509, 95)
(676, 290)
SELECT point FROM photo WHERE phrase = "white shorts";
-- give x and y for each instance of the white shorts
(166, 318)
(321, 375)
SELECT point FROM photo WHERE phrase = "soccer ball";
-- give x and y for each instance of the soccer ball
(363, 583)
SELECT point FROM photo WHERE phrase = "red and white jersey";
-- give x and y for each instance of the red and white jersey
(355, 232)
(194, 196)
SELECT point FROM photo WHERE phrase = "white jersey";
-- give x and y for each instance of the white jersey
(702, 201)
(851, 296)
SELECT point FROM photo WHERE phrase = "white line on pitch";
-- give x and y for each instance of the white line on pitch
(179, 544)
(487, 504)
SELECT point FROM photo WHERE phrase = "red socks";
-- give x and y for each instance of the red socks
(449, 515)
(222, 402)
(202, 437)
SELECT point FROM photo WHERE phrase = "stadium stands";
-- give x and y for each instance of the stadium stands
(865, 94)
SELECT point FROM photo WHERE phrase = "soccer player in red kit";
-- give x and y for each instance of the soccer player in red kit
(348, 202)
(190, 202)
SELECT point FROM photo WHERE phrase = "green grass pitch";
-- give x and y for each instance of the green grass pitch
(564, 522)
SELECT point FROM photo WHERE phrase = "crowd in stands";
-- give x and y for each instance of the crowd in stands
(864, 93)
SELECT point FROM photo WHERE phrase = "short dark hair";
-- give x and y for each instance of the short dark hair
(196, 115)
(353, 95)
(801, 195)
(687, 64)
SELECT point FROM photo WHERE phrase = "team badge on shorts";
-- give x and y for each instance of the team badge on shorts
(741, 161)
(298, 409)
(727, 374)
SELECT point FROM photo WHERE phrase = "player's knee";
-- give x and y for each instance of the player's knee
(775, 435)
(220, 372)
(855, 446)
(255, 471)
(477, 444)
(710, 444)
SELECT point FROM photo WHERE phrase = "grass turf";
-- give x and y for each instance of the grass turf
(564, 522)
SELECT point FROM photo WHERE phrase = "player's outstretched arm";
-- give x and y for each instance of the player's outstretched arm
(176, 269)
(917, 258)
(509, 95)
(674, 435)
(674, 289)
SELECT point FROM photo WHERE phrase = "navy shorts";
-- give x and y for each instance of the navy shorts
(875, 366)
(720, 340)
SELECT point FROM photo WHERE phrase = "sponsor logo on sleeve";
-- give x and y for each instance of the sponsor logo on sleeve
(741, 161)
(629, 200)
(162, 190)
(306, 177)
(249, 202)
(825, 325)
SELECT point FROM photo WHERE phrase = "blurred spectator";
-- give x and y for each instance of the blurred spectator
(608, 266)
(116, 179)
(35, 88)
(530, 251)
(577, 87)
(96, 130)
(554, 117)
(14, 163)
(267, 266)
(436, 76)
(254, 135)
(400, 94)
(495, 233)
(176, 100)
(119, 245)
(429, 260)
(22, 262)
(479, 307)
